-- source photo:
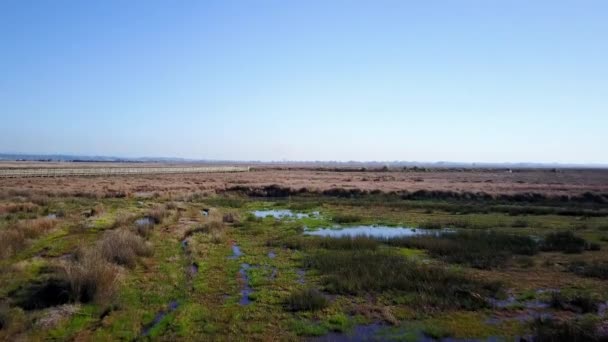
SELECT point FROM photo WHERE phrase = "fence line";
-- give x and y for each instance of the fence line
(110, 171)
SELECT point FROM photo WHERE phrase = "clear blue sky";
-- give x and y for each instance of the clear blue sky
(486, 80)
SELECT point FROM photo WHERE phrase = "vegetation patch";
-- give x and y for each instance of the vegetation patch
(308, 299)
(566, 242)
(360, 272)
(478, 249)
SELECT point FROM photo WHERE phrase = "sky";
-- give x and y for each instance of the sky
(428, 80)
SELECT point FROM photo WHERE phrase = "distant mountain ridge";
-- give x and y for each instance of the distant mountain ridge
(373, 164)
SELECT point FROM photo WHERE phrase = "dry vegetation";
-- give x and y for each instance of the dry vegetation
(493, 182)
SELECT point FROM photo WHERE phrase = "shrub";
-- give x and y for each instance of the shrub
(578, 330)
(565, 242)
(597, 269)
(306, 300)
(344, 219)
(578, 302)
(357, 272)
(123, 247)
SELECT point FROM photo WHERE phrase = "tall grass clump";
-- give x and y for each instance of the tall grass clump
(123, 219)
(91, 277)
(215, 229)
(359, 272)
(340, 243)
(158, 214)
(345, 218)
(122, 247)
(579, 301)
(25, 207)
(483, 250)
(566, 242)
(16, 237)
(306, 300)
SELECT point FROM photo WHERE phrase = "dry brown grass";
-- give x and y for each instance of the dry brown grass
(91, 277)
(11, 208)
(123, 219)
(122, 247)
(158, 213)
(215, 229)
(15, 238)
(494, 182)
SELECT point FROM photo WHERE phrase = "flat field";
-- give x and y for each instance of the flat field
(486, 255)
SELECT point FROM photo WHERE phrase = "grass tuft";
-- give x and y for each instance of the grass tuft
(122, 247)
(306, 300)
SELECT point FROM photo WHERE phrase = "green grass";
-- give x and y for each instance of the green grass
(359, 272)
(478, 249)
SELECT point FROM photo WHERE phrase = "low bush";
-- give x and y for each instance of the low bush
(566, 242)
(597, 269)
(362, 271)
(306, 300)
(122, 247)
(344, 219)
(578, 330)
(478, 249)
(581, 302)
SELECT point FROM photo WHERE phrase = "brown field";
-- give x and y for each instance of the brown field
(491, 181)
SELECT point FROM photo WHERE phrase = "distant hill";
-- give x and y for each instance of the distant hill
(347, 164)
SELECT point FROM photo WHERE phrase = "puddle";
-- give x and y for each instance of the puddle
(159, 317)
(145, 222)
(512, 301)
(51, 216)
(283, 213)
(383, 232)
(271, 255)
(236, 251)
(41, 295)
(301, 273)
(184, 244)
(246, 290)
(273, 274)
(602, 309)
(193, 269)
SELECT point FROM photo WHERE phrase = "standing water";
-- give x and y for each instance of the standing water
(383, 232)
